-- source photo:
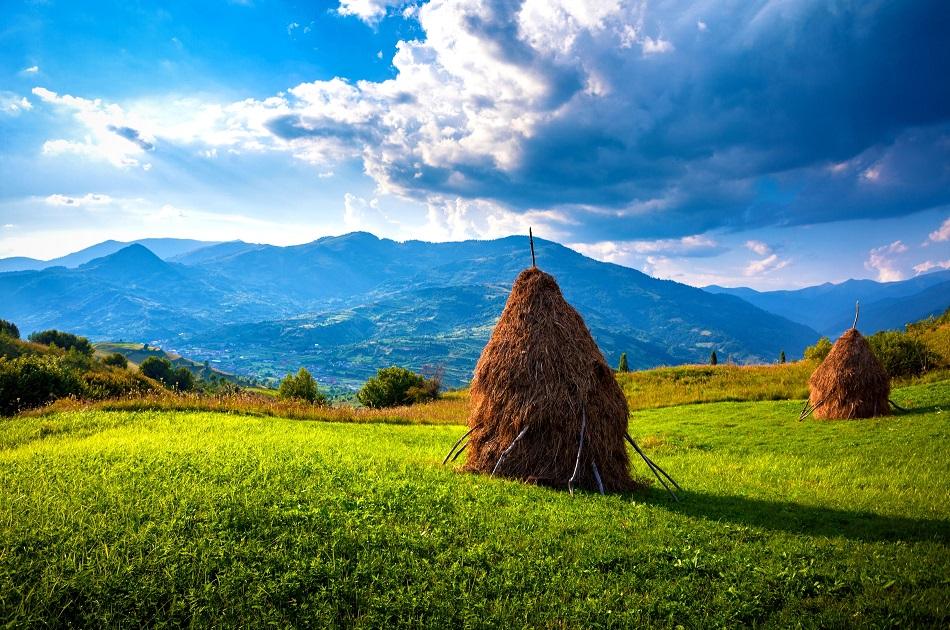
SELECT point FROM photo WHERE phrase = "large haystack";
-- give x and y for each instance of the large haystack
(539, 379)
(850, 382)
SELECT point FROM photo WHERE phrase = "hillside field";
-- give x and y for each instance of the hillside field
(136, 518)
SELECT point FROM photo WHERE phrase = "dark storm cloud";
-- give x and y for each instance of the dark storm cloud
(132, 135)
(742, 123)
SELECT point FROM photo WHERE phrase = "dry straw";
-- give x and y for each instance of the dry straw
(545, 406)
(849, 383)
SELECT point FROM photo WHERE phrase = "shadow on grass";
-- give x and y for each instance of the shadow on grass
(801, 519)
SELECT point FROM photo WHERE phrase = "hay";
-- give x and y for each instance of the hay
(850, 382)
(539, 376)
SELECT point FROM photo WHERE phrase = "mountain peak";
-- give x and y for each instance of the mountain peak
(132, 257)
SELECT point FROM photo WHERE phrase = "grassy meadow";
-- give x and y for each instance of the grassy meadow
(158, 517)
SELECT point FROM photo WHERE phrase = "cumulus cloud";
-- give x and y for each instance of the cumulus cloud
(929, 265)
(942, 233)
(769, 263)
(13, 104)
(766, 265)
(882, 259)
(631, 252)
(633, 120)
(758, 247)
(111, 134)
(369, 11)
(656, 46)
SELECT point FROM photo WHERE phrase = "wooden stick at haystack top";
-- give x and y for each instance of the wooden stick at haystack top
(545, 406)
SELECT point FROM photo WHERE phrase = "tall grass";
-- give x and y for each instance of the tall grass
(648, 389)
(451, 408)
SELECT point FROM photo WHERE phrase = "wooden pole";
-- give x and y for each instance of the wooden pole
(531, 239)
(857, 310)
(505, 453)
(580, 447)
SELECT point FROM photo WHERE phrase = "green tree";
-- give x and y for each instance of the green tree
(9, 329)
(900, 353)
(64, 340)
(623, 366)
(35, 380)
(396, 386)
(116, 359)
(160, 369)
(781, 357)
(819, 351)
(184, 380)
(301, 386)
(713, 359)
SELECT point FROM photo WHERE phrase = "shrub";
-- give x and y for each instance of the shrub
(781, 357)
(819, 351)
(397, 386)
(900, 353)
(9, 329)
(119, 383)
(33, 380)
(183, 380)
(116, 359)
(713, 359)
(64, 340)
(301, 386)
(623, 366)
(159, 369)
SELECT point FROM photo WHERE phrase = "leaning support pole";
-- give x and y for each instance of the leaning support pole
(505, 452)
(459, 452)
(808, 409)
(654, 468)
(455, 446)
(600, 484)
(857, 311)
(580, 447)
(896, 406)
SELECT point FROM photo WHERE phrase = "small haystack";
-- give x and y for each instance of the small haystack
(545, 406)
(849, 383)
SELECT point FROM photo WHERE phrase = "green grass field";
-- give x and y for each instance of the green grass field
(134, 518)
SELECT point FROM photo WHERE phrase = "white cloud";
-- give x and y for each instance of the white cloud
(701, 25)
(30, 70)
(369, 11)
(758, 247)
(656, 46)
(291, 27)
(942, 233)
(881, 259)
(111, 134)
(8, 226)
(632, 253)
(766, 265)
(13, 104)
(89, 199)
(928, 265)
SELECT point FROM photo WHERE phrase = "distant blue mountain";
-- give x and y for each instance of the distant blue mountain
(829, 308)
(161, 247)
(345, 306)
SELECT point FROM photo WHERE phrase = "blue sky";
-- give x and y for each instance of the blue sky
(768, 144)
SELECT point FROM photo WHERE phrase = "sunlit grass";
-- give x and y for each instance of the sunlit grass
(196, 518)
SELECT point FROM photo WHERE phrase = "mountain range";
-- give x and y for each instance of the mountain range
(344, 306)
(830, 308)
(161, 247)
